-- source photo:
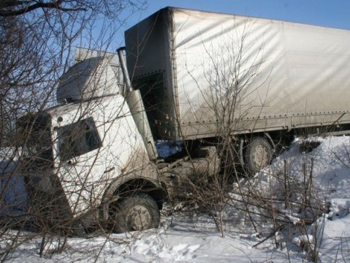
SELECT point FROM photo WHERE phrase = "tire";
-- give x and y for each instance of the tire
(135, 213)
(258, 154)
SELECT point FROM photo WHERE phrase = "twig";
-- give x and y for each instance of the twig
(271, 235)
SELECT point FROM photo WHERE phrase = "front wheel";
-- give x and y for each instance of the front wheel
(135, 213)
(258, 155)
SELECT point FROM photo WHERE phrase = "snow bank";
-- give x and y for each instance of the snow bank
(184, 239)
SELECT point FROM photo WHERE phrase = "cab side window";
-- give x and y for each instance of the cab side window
(78, 138)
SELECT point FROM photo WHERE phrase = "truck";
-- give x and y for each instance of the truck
(198, 80)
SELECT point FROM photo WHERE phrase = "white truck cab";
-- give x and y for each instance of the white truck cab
(87, 158)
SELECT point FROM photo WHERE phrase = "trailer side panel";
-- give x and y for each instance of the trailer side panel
(219, 72)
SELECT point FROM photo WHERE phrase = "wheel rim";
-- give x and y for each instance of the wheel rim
(260, 156)
(138, 218)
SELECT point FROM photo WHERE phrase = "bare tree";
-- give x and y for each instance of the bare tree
(233, 89)
(106, 7)
(38, 38)
(36, 45)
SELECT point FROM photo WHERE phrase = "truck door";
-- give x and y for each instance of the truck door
(79, 144)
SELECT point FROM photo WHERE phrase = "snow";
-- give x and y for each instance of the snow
(193, 237)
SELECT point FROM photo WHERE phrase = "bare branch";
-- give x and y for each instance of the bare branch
(16, 8)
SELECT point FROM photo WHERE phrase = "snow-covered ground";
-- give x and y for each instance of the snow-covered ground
(183, 238)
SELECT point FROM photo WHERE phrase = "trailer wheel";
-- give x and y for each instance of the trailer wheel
(134, 213)
(258, 154)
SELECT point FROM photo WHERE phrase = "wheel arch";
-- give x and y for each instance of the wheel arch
(129, 185)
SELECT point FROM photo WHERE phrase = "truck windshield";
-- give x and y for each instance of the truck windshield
(35, 139)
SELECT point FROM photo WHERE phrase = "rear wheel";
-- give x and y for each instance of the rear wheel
(258, 154)
(135, 213)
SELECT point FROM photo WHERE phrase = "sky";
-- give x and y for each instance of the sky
(328, 13)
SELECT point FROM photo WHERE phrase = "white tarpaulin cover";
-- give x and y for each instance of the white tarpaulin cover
(201, 71)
